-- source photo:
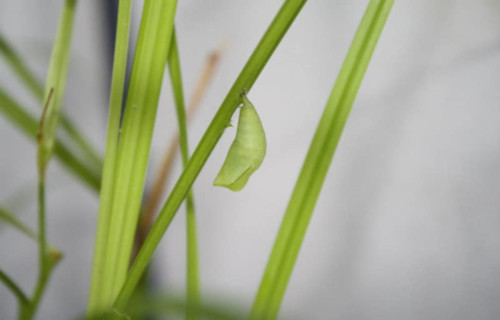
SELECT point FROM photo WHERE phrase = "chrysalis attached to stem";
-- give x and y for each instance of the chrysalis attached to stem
(247, 151)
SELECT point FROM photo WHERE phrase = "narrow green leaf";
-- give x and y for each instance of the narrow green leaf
(56, 83)
(16, 223)
(138, 124)
(46, 138)
(35, 86)
(319, 157)
(243, 83)
(133, 149)
(44, 153)
(193, 274)
(13, 221)
(18, 116)
(113, 133)
(19, 67)
(15, 289)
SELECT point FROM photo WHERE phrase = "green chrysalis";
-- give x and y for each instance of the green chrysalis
(247, 151)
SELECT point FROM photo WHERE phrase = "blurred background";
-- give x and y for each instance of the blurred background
(407, 223)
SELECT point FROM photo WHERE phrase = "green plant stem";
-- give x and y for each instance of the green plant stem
(27, 123)
(48, 259)
(56, 83)
(244, 82)
(137, 134)
(43, 261)
(113, 133)
(46, 138)
(35, 86)
(316, 165)
(133, 149)
(193, 281)
(13, 287)
(17, 64)
(16, 223)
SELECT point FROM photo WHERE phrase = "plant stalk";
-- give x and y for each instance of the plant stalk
(244, 82)
(193, 281)
(309, 184)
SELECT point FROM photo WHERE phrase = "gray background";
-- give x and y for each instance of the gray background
(407, 223)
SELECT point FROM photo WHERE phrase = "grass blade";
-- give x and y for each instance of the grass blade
(12, 220)
(15, 289)
(27, 307)
(56, 83)
(46, 137)
(35, 86)
(113, 133)
(133, 149)
(162, 175)
(18, 116)
(19, 67)
(319, 157)
(245, 80)
(193, 274)
(16, 223)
